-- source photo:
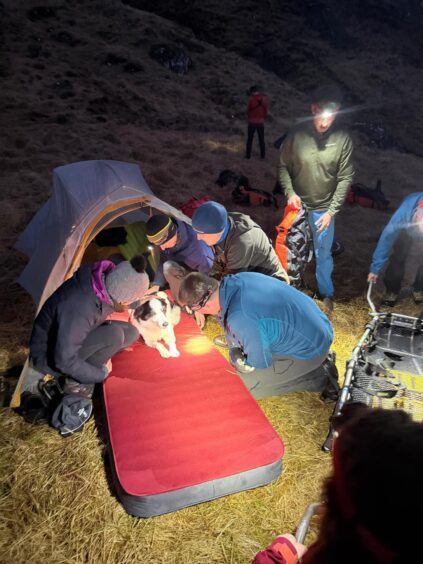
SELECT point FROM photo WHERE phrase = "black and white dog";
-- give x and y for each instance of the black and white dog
(155, 320)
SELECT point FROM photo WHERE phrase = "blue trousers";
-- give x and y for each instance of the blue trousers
(322, 242)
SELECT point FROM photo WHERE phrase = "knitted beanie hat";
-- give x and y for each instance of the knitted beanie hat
(419, 210)
(127, 282)
(160, 228)
(210, 217)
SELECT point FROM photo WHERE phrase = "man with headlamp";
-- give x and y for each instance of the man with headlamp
(316, 171)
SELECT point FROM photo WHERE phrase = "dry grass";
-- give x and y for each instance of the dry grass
(56, 503)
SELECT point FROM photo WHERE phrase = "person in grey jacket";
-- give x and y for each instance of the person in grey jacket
(71, 336)
(240, 245)
(316, 170)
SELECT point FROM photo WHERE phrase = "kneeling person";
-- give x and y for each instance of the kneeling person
(240, 245)
(281, 336)
(404, 227)
(71, 338)
(179, 248)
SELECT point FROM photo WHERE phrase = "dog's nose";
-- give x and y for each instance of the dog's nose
(165, 324)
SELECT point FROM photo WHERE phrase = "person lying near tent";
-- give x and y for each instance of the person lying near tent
(71, 338)
(404, 227)
(374, 487)
(180, 252)
(279, 337)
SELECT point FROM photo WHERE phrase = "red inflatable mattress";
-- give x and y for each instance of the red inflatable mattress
(184, 430)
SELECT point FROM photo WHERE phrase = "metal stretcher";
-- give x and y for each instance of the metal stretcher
(386, 367)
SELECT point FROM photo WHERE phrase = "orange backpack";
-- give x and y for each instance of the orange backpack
(294, 243)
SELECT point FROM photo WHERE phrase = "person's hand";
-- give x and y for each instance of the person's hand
(200, 319)
(155, 288)
(295, 201)
(109, 366)
(372, 277)
(323, 222)
(300, 548)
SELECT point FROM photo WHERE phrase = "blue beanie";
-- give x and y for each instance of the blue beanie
(210, 217)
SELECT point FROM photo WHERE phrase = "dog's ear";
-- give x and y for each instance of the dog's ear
(162, 295)
(142, 312)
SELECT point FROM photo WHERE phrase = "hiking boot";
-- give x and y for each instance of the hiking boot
(331, 391)
(418, 297)
(221, 341)
(328, 305)
(389, 299)
(337, 248)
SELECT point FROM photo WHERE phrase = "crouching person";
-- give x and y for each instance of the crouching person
(279, 338)
(71, 339)
(404, 228)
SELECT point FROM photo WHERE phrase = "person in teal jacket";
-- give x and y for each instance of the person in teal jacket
(404, 228)
(279, 338)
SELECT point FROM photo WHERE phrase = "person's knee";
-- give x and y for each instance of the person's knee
(116, 335)
(131, 335)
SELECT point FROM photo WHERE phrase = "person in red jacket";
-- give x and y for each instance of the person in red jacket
(256, 111)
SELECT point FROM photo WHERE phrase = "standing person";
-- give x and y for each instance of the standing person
(316, 170)
(257, 109)
(180, 251)
(371, 496)
(71, 338)
(404, 227)
(279, 337)
(239, 243)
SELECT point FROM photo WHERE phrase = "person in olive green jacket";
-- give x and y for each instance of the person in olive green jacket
(240, 245)
(316, 170)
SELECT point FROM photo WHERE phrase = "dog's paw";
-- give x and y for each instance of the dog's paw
(165, 353)
(174, 353)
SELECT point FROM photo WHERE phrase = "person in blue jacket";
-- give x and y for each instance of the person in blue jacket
(404, 228)
(180, 251)
(279, 337)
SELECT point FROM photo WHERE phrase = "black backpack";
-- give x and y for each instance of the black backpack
(294, 244)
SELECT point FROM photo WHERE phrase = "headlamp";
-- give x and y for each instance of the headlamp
(326, 114)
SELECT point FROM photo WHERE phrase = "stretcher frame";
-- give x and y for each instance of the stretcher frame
(414, 325)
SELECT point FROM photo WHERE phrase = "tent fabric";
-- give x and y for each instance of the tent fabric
(81, 193)
(184, 430)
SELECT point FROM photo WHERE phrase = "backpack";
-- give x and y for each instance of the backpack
(294, 243)
(367, 197)
(247, 196)
(243, 194)
(71, 414)
(189, 207)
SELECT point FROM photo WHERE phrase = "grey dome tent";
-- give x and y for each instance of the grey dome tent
(87, 197)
